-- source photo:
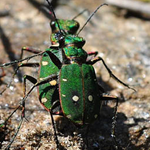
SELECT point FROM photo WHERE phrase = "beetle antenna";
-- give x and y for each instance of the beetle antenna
(91, 17)
(51, 9)
(80, 13)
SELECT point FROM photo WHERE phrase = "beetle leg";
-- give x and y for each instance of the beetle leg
(18, 128)
(55, 104)
(12, 140)
(36, 83)
(33, 80)
(5, 122)
(92, 53)
(16, 70)
(20, 60)
(22, 104)
(96, 59)
(86, 137)
(107, 98)
(29, 49)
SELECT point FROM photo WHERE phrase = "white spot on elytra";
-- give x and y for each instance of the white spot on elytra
(63, 95)
(44, 63)
(53, 82)
(64, 80)
(43, 100)
(90, 97)
(75, 98)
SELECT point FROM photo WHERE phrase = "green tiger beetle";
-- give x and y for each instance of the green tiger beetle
(67, 83)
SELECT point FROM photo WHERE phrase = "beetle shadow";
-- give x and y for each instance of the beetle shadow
(129, 14)
(103, 126)
(4, 13)
(99, 133)
(95, 136)
(2, 135)
(106, 86)
(8, 49)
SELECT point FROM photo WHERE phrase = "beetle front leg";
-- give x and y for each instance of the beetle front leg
(92, 53)
(29, 49)
(96, 59)
(21, 65)
(20, 60)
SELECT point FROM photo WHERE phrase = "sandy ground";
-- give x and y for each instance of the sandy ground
(123, 42)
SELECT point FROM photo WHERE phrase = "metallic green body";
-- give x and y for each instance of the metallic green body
(79, 93)
(73, 48)
(48, 92)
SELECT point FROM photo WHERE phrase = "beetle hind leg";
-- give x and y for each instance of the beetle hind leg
(114, 118)
(55, 104)
(96, 59)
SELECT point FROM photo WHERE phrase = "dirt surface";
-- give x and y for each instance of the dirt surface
(123, 42)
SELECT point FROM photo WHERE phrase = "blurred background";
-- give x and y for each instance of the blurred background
(120, 32)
